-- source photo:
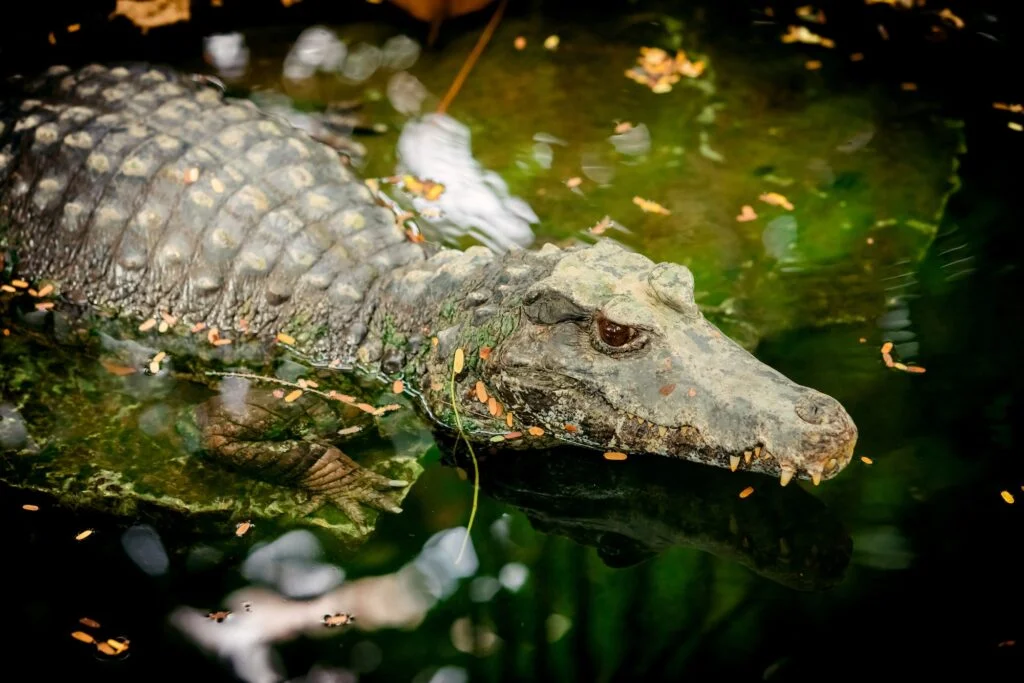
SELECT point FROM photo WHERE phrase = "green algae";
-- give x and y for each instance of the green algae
(121, 444)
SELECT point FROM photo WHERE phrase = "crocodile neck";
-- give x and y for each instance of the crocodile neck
(414, 317)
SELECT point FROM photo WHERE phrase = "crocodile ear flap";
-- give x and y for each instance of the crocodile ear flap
(548, 306)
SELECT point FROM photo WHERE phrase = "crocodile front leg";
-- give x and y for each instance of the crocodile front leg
(255, 432)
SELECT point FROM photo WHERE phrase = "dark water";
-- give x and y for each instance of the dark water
(593, 570)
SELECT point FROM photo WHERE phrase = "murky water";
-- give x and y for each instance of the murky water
(580, 568)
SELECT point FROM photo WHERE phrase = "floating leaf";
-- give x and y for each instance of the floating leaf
(115, 369)
(776, 199)
(647, 206)
(746, 214)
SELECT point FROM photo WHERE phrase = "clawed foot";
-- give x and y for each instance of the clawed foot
(291, 444)
(337, 479)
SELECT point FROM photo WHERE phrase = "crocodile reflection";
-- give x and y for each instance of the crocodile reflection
(631, 511)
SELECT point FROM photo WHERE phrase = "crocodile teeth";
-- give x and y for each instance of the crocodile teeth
(816, 477)
(734, 462)
(746, 456)
(757, 451)
(662, 431)
(787, 474)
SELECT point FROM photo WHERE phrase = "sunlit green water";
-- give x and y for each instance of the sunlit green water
(930, 534)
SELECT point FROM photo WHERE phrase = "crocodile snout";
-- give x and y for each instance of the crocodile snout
(818, 409)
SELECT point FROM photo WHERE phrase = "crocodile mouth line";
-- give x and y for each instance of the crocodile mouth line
(630, 431)
(755, 452)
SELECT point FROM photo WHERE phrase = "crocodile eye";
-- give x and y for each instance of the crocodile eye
(615, 335)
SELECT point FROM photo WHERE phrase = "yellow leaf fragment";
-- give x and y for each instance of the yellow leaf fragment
(615, 455)
(83, 637)
(82, 535)
(551, 42)
(535, 431)
(1007, 496)
(745, 493)
(953, 19)
(460, 360)
(286, 339)
(91, 623)
(866, 460)
(398, 386)
(802, 34)
(647, 206)
(148, 325)
(293, 396)
(118, 646)
(30, 508)
(481, 392)
(776, 199)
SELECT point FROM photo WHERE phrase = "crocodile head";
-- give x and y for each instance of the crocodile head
(610, 351)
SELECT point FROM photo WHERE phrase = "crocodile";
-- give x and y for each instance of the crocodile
(144, 197)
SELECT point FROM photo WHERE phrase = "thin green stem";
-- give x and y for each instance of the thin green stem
(476, 468)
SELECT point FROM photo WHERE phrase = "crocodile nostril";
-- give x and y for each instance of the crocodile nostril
(817, 409)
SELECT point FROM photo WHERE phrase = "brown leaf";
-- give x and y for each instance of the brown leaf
(667, 389)
(115, 369)
(147, 14)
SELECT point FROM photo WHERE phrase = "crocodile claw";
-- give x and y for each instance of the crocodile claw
(337, 479)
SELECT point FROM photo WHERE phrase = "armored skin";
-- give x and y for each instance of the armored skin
(140, 193)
